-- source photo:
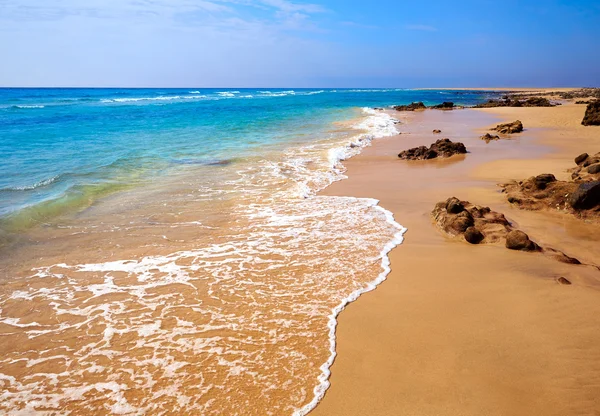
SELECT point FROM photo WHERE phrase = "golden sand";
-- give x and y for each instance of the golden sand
(473, 330)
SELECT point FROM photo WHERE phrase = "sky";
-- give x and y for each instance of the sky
(295, 43)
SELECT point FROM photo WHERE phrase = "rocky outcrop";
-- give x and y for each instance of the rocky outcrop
(592, 114)
(480, 225)
(515, 101)
(580, 196)
(441, 148)
(489, 137)
(411, 107)
(509, 128)
(446, 105)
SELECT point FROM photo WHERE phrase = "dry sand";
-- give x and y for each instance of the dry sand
(473, 330)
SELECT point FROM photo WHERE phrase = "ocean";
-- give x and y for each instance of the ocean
(166, 251)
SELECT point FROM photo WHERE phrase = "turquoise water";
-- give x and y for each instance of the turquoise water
(62, 148)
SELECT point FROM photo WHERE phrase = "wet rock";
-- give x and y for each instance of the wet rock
(411, 107)
(489, 137)
(509, 128)
(592, 114)
(586, 196)
(436, 131)
(581, 158)
(516, 101)
(593, 169)
(473, 235)
(518, 240)
(563, 281)
(441, 148)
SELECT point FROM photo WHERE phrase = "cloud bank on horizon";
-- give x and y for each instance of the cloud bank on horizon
(285, 43)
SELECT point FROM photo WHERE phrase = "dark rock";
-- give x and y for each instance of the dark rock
(518, 240)
(587, 196)
(473, 235)
(454, 206)
(593, 169)
(411, 107)
(592, 114)
(590, 161)
(541, 181)
(516, 101)
(436, 131)
(446, 105)
(509, 128)
(563, 281)
(461, 222)
(441, 148)
(581, 158)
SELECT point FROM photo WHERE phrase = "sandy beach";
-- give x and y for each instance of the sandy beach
(479, 330)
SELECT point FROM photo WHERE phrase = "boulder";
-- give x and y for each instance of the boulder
(592, 114)
(593, 169)
(586, 196)
(509, 128)
(488, 137)
(581, 158)
(473, 235)
(518, 240)
(411, 107)
(441, 148)
(542, 181)
(453, 206)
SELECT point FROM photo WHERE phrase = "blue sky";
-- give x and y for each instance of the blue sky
(285, 43)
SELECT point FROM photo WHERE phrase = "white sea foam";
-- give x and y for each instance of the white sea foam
(25, 107)
(40, 184)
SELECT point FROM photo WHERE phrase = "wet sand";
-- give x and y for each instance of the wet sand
(473, 330)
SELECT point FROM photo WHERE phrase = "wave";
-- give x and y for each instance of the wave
(163, 98)
(36, 185)
(26, 107)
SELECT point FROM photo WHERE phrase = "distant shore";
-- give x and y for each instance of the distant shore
(459, 329)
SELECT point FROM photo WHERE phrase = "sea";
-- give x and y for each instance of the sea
(167, 251)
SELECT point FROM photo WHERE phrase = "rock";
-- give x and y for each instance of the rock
(488, 137)
(563, 281)
(454, 206)
(593, 169)
(586, 196)
(411, 107)
(516, 101)
(518, 240)
(592, 114)
(436, 131)
(581, 158)
(446, 105)
(541, 181)
(473, 235)
(509, 128)
(441, 148)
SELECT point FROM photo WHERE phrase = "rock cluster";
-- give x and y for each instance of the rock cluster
(446, 105)
(411, 107)
(441, 148)
(481, 225)
(592, 114)
(580, 196)
(509, 128)
(508, 101)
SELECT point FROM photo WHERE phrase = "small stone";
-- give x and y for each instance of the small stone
(518, 240)
(563, 281)
(593, 169)
(436, 131)
(454, 206)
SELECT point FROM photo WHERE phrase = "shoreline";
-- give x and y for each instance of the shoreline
(358, 376)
